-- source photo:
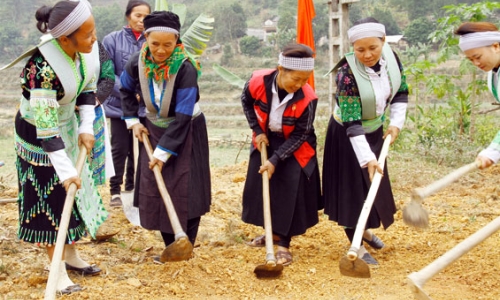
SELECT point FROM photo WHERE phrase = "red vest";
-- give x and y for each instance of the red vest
(293, 111)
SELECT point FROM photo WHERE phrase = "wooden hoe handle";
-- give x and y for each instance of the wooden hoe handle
(172, 214)
(50, 290)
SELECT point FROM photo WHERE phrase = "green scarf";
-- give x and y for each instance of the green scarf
(171, 66)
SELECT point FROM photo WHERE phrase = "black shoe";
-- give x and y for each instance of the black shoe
(115, 201)
(375, 243)
(369, 259)
(90, 270)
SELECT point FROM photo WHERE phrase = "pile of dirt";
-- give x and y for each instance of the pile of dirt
(222, 266)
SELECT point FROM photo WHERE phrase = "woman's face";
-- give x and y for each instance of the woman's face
(137, 16)
(368, 50)
(291, 80)
(161, 45)
(485, 58)
(83, 39)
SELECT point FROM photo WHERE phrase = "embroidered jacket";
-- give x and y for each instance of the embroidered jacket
(297, 120)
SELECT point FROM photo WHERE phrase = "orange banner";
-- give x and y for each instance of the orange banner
(305, 15)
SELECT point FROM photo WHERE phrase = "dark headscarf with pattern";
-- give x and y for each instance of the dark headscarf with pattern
(164, 21)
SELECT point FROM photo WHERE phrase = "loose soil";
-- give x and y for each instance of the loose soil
(222, 265)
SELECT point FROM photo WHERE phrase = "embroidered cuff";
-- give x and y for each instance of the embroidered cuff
(362, 149)
(44, 105)
(87, 117)
(131, 122)
(491, 153)
(62, 164)
(493, 150)
(161, 155)
(398, 114)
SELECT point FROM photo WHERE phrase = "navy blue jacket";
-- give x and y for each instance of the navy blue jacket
(120, 45)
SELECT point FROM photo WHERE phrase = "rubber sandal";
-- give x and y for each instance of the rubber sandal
(284, 255)
(70, 289)
(375, 243)
(90, 270)
(260, 241)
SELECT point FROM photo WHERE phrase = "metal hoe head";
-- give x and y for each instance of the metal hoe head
(268, 270)
(415, 215)
(181, 249)
(354, 268)
(418, 292)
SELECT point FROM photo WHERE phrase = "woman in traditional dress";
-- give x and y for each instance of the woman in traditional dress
(280, 108)
(166, 77)
(480, 42)
(368, 82)
(58, 75)
(120, 45)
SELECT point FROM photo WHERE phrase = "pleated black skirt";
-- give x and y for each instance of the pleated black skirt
(346, 184)
(295, 198)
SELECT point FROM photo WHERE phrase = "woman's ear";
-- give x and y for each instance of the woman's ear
(496, 46)
(64, 40)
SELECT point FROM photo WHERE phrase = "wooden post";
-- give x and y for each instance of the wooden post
(339, 43)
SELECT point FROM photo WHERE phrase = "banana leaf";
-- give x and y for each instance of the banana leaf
(228, 76)
(180, 10)
(196, 37)
(161, 5)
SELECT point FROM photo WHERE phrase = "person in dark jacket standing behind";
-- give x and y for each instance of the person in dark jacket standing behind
(280, 108)
(120, 45)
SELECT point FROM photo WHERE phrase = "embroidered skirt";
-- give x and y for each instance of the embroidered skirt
(41, 195)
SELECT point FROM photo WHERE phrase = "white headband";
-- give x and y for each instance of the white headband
(365, 30)
(73, 21)
(162, 29)
(478, 39)
(296, 63)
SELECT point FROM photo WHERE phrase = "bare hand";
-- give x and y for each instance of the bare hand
(87, 140)
(261, 138)
(76, 180)
(269, 167)
(373, 167)
(483, 162)
(394, 132)
(138, 129)
(155, 162)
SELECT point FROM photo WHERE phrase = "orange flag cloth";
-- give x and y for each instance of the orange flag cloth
(305, 36)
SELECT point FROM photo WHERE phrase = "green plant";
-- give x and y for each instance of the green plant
(250, 45)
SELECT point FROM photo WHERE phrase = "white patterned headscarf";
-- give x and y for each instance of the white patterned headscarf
(365, 30)
(296, 63)
(478, 39)
(74, 20)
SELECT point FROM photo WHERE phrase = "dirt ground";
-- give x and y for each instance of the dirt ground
(222, 265)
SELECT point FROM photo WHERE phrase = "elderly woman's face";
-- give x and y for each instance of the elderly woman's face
(292, 80)
(136, 17)
(368, 50)
(161, 45)
(485, 58)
